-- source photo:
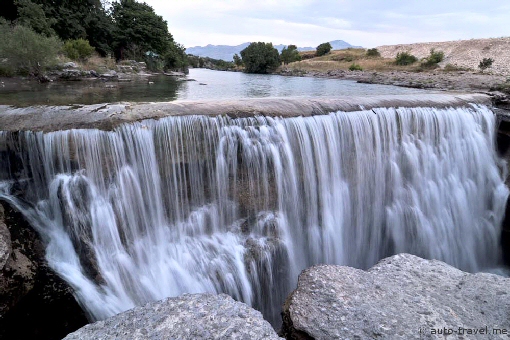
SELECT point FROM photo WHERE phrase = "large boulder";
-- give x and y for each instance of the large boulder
(402, 297)
(196, 316)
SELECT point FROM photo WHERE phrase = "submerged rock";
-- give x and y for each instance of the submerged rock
(197, 316)
(402, 297)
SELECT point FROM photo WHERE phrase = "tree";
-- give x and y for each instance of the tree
(237, 60)
(32, 15)
(260, 57)
(485, 63)
(323, 49)
(78, 49)
(80, 19)
(405, 58)
(373, 52)
(138, 30)
(290, 54)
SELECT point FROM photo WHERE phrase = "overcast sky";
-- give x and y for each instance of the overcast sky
(368, 23)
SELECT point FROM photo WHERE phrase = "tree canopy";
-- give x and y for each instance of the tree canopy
(128, 29)
(260, 57)
(290, 54)
(323, 49)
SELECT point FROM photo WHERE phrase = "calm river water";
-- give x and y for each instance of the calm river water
(199, 84)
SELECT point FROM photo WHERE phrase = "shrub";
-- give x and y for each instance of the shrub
(405, 58)
(454, 68)
(485, 63)
(355, 67)
(373, 52)
(323, 49)
(23, 51)
(78, 49)
(433, 59)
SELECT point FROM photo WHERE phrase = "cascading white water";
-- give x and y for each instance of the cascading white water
(200, 204)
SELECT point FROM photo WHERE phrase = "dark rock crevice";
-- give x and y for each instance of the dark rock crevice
(35, 303)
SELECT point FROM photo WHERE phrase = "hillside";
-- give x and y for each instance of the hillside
(461, 53)
(226, 52)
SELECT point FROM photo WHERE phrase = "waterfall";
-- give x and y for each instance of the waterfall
(193, 204)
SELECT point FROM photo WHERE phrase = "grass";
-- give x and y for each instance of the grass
(98, 63)
(343, 59)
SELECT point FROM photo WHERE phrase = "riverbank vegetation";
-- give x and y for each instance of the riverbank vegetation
(356, 59)
(37, 34)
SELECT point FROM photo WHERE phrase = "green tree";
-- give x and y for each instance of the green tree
(138, 30)
(373, 52)
(434, 58)
(78, 49)
(485, 63)
(290, 54)
(175, 57)
(405, 58)
(237, 60)
(32, 15)
(80, 19)
(260, 57)
(26, 52)
(323, 49)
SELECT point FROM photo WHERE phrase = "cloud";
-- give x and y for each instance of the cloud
(309, 22)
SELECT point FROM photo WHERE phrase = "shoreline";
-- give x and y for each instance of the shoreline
(441, 80)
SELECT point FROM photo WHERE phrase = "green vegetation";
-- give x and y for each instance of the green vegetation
(355, 67)
(290, 54)
(373, 52)
(485, 63)
(126, 29)
(78, 49)
(434, 58)
(25, 52)
(323, 49)
(237, 60)
(260, 57)
(405, 58)
(210, 63)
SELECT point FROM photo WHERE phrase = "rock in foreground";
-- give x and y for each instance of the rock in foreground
(197, 316)
(402, 297)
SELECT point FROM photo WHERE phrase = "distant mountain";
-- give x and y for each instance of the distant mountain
(226, 52)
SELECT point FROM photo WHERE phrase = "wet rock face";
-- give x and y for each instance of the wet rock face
(402, 297)
(35, 303)
(197, 316)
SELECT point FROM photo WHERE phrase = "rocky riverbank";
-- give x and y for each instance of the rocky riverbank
(469, 81)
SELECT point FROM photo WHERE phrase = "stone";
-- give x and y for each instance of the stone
(69, 65)
(190, 316)
(402, 297)
(5, 240)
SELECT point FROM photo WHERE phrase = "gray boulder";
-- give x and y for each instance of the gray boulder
(197, 316)
(402, 297)
(70, 64)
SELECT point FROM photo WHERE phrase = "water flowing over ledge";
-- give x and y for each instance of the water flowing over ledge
(200, 203)
(108, 116)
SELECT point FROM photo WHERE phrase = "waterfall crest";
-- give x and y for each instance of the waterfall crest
(214, 204)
